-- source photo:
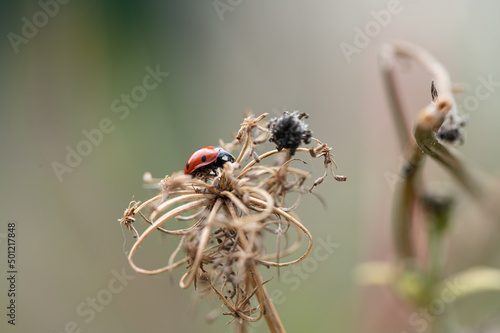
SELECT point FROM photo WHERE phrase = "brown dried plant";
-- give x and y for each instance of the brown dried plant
(228, 213)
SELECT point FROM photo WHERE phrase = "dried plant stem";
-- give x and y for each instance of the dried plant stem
(249, 166)
(479, 186)
(272, 318)
(402, 220)
(470, 181)
(291, 249)
(405, 201)
(290, 218)
(387, 63)
(201, 248)
(267, 306)
(430, 64)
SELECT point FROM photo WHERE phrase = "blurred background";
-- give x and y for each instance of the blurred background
(75, 79)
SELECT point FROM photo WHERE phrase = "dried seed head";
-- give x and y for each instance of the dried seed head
(229, 215)
(289, 131)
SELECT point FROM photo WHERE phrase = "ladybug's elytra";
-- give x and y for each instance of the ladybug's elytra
(206, 159)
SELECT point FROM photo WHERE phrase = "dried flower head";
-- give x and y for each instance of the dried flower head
(228, 214)
(289, 131)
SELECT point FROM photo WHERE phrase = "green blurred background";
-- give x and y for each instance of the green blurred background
(267, 56)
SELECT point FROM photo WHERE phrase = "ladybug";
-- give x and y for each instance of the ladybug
(207, 159)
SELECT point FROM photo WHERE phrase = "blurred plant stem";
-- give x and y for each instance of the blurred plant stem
(424, 142)
(438, 119)
(435, 255)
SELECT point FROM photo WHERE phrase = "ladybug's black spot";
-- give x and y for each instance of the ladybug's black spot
(203, 158)
(187, 166)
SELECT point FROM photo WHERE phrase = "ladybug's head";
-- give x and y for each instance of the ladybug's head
(223, 157)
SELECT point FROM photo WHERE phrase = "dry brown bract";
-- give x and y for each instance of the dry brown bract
(227, 216)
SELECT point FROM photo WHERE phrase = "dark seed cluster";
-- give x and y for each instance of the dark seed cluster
(289, 131)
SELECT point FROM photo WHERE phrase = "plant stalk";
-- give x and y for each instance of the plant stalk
(272, 318)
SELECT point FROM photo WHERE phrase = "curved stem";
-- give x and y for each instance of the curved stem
(155, 226)
(387, 63)
(236, 201)
(204, 237)
(427, 141)
(176, 200)
(300, 226)
(268, 204)
(253, 162)
(294, 247)
(146, 203)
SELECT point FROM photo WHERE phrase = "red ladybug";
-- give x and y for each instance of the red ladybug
(207, 159)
